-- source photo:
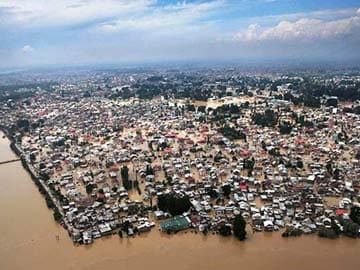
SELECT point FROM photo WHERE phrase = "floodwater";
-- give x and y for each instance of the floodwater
(28, 240)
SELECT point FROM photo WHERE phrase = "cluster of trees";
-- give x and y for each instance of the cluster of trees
(274, 152)
(190, 107)
(56, 192)
(155, 86)
(232, 133)
(327, 233)
(303, 122)
(227, 109)
(202, 109)
(292, 232)
(23, 124)
(344, 93)
(311, 101)
(238, 228)
(331, 102)
(350, 227)
(193, 93)
(266, 119)
(173, 204)
(285, 128)
(355, 110)
(23, 91)
(148, 91)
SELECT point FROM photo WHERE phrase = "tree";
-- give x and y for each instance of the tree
(226, 189)
(125, 177)
(357, 110)
(225, 230)
(355, 214)
(335, 227)
(149, 170)
(173, 204)
(267, 119)
(23, 123)
(90, 188)
(285, 128)
(202, 109)
(327, 233)
(57, 216)
(239, 227)
(292, 232)
(150, 146)
(351, 229)
(190, 107)
(311, 101)
(213, 194)
(162, 203)
(332, 102)
(299, 163)
(249, 164)
(274, 152)
(232, 133)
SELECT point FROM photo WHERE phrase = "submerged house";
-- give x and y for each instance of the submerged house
(175, 224)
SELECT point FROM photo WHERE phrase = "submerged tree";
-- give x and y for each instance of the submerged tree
(239, 227)
(125, 177)
(355, 214)
(225, 230)
(226, 189)
(173, 204)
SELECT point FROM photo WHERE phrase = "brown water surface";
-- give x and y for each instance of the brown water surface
(28, 241)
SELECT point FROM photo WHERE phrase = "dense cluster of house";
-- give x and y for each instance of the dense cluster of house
(81, 148)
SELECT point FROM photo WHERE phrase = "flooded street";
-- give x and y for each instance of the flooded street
(28, 238)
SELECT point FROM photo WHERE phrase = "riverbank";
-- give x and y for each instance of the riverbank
(43, 189)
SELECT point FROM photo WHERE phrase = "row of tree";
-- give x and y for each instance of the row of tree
(238, 228)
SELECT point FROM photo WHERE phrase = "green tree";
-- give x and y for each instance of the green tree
(90, 188)
(267, 119)
(274, 152)
(225, 230)
(355, 214)
(351, 229)
(173, 204)
(226, 189)
(285, 128)
(239, 227)
(125, 177)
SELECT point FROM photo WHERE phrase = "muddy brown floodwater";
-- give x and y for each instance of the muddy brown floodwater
(28, 241)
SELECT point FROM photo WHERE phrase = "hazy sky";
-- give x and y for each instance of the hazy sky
(38, 32)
